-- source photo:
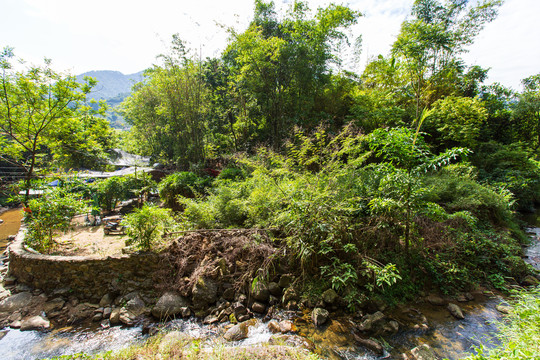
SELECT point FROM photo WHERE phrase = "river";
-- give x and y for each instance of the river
(448, 337)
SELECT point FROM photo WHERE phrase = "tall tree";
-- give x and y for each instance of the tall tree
(33, 103)
(526, 116)
(168, 111)
(431, 42)
(281, 65)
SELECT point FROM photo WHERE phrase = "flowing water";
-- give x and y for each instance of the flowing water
(448, 337)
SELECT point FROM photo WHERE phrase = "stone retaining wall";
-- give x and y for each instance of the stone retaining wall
(86, 277)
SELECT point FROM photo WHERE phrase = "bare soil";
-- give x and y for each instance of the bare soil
(83, 240)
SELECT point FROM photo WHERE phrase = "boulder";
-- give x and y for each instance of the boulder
(274, 289)
(456, 311)
(373, 322)
(107, 312)
(289, 295)
(35, 323)
(274, 327)
(169, 305)
(330, 297)
(210, 319)
(258, 307)
(239, 309)
(16, 302)
(260, 292)
(106, 300)
(53, 305)
(127, 317)
(80, 313)
(319, 316)
(135, 306)
(204, 292)
(436, 300)
(285, 280)
(237, 332)
(286, 326)
(115, 316)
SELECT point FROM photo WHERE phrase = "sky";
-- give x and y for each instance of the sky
(127, 35)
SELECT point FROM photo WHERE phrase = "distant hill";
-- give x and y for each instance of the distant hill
(113, 87)
(111, 84)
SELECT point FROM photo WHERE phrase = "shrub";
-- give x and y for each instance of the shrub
(185, 183)
(145, 225)
(51, 212)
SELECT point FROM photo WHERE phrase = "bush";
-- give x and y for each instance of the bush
(185, 183)
(51, 212)
(146, 225)
(117, 188)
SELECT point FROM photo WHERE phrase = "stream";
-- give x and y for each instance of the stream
(448, 337)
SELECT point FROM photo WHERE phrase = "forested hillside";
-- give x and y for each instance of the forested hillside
(409, 173)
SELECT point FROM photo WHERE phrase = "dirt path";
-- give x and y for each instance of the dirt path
(88, 240)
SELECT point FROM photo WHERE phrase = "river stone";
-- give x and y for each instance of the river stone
(107, 312)
(436, 300)
(372, 322)
(319, 316)
(106, 300)
(126, 317)
(239, 309)
(330, 296)
(115, 316)
(35, 323)
(210, 319)
(423, 352)
(53, 305)
(80, 313)
(260, 292)
(286, 326)
(237, 332)
(97, 317)
(369, 344)
(456, 311)
(135, 306)
(274, 327)
(3, 333)
(204, 292)
(289, 295)
(505, 309)
(258, 307)
(185, 312)
(169, 305)
(285, 280)
(274, 289)
(16, 302)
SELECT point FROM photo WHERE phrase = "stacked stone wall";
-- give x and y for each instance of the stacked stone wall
(87, 277)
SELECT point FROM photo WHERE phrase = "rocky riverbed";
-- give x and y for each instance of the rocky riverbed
(268, 312)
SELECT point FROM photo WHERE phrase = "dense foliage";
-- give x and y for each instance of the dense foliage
(409, 173)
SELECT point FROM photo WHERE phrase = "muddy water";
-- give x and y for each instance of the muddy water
(10, 226)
